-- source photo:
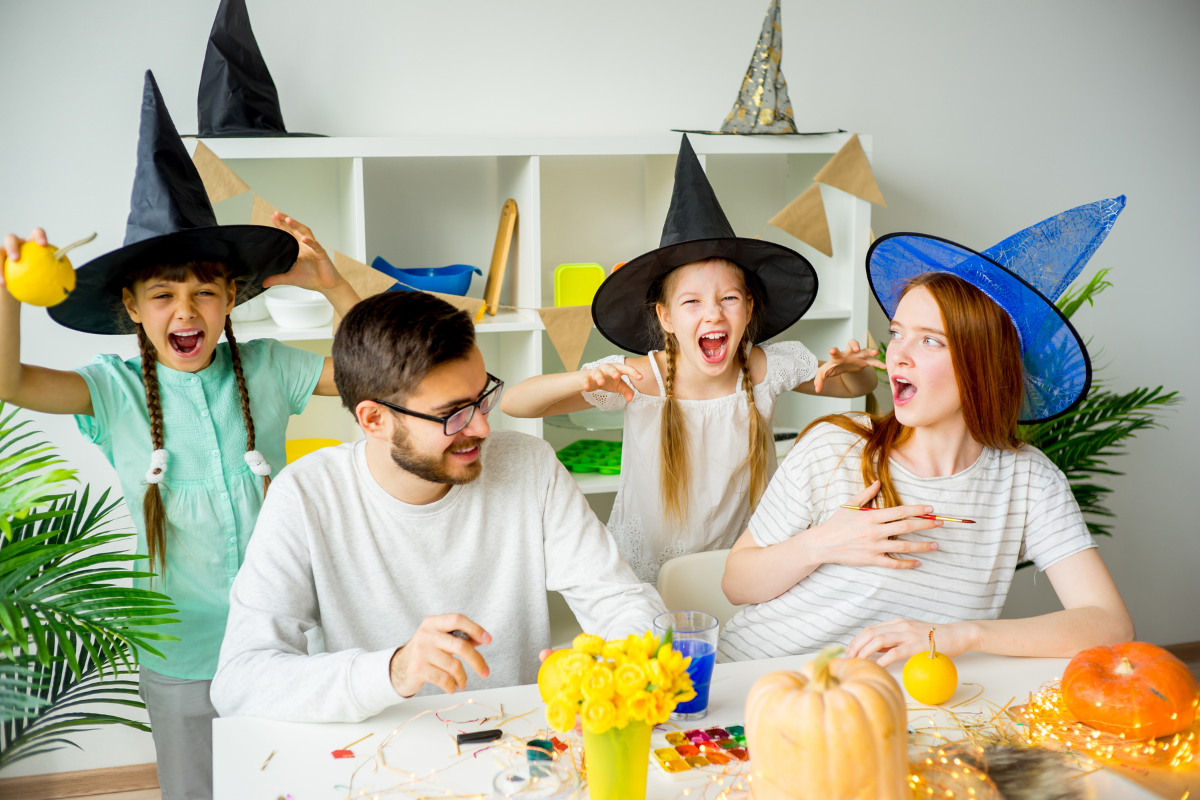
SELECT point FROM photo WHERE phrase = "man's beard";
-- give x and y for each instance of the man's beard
(433, 468)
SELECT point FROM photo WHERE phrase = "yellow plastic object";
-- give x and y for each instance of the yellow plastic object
(299, 448)
(576, 284)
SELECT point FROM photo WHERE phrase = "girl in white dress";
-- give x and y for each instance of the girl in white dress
(698, 449)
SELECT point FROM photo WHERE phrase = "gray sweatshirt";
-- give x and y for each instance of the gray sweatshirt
(332, 548)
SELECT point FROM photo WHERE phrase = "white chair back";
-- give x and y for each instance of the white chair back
(693, 583)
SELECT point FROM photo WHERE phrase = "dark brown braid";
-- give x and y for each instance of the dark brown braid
(761, 440)
(153, 510)
(236, 358)
(675, 472)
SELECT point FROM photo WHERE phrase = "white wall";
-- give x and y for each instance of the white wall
(987, 118)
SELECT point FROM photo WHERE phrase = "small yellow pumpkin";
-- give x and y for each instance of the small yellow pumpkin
(836, 731)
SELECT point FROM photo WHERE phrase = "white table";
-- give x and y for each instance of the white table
(304, 768)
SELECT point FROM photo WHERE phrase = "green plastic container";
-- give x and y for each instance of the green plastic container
(592, 455)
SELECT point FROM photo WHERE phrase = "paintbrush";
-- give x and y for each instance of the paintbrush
(918, 516)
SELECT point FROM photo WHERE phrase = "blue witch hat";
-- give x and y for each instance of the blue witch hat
(1024, 275)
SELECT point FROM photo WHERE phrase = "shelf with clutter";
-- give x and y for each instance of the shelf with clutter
(418, 203)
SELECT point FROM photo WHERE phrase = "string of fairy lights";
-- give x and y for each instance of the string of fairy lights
(952, 762)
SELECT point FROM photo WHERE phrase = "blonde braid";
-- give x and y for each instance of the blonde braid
(761, 440)
(153, 511)
(675, 475)
(253, 457)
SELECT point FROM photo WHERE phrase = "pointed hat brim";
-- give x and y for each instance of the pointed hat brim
(624, 315)
(251, 134)
(760, 133)
(251, 252)
(1057, 368)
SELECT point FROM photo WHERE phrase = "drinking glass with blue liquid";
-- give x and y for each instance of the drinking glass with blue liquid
(695, 636)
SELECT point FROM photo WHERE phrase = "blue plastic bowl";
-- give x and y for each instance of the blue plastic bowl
(454, 279)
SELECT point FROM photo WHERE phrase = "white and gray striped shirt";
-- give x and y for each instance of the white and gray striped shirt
(1022, 505)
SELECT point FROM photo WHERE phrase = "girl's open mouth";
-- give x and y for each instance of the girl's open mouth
(713, 346)
(902, 391)
(186, 343)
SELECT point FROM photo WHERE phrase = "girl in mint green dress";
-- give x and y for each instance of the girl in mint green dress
(193, 428)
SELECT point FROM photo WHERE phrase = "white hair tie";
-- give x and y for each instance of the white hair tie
(258, 464)
(158, 467)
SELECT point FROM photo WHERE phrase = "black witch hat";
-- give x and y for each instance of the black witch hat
(170, 222)
(237, 96)
(696, 229)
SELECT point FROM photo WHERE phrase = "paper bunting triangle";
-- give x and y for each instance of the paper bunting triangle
(850, 171)
(220, 181)
(261, 211)
(366, 281)
(568, 328)
(471, 305)
(762, 105)
(805, 219)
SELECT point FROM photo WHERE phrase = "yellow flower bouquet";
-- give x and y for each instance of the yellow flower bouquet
(620, 690)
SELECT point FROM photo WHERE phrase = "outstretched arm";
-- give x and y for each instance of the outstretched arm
(562, 392)
(848, 374)
(1093, 614)
(51, 391)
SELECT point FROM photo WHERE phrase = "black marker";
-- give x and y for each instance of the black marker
(460, 635)
(477, 737)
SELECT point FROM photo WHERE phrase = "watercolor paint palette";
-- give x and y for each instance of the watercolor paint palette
(683, 751)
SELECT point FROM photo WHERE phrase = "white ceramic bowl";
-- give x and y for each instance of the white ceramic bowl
(293, 307)
(251, 310)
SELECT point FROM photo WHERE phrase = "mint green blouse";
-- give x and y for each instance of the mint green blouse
(211, 496)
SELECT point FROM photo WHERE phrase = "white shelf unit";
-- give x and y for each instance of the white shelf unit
(433, 201)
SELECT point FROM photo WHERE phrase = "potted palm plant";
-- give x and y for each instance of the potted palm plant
(70, 624)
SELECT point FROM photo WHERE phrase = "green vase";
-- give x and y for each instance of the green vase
(617, 762)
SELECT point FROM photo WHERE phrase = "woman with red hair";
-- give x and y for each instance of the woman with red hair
(977, 347)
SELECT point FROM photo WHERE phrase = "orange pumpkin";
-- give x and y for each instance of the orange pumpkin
(836, 731)
(1136, 689)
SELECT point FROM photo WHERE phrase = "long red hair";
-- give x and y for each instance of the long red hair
(986, 355)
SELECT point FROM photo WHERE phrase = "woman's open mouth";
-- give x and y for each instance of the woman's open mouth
(902, 390)
(713, 346)
(186, 342)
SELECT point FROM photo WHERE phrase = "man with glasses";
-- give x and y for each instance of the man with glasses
(424, 551)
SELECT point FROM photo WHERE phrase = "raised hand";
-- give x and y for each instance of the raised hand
(864, 538)
(432, 656)
(854, 359)
(607, 378)
(313, 268)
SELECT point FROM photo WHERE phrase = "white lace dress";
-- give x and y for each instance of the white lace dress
(718, 431)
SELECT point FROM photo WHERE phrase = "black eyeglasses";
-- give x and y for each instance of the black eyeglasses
(463, 416)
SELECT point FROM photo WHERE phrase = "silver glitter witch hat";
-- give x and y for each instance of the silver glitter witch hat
(763, 107)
